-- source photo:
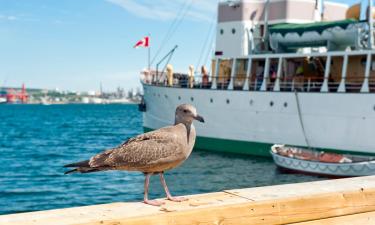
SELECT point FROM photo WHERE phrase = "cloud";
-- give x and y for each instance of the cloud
(8, 17)
(18, 17)
(167, 9)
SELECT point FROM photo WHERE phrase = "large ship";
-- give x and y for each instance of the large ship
(294, 72)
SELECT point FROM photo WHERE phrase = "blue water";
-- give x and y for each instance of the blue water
(36, 141)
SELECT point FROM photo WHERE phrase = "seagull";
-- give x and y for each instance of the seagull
(151, 153)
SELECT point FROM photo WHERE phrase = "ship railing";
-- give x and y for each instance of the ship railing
(353, 72)
(299, 84)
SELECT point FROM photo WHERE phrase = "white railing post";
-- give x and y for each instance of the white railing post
(232, 74)
(365, 85)
(343, 75)
(214, 77)
(292, 85)
(279, 70)
(265, 75)
(308, 84)
(324, 87)
(248, 74)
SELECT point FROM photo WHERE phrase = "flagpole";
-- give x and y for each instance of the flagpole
(149, 53)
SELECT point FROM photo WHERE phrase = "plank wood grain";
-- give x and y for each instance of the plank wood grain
(355, 219)
(281, 204)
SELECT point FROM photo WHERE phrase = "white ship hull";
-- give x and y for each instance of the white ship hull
(250, 122)
(3, 100)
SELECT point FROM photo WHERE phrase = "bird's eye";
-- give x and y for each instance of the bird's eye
(185, 111)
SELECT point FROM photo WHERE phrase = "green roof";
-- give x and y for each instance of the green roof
(284, 28)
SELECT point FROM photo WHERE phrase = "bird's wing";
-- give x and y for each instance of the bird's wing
(160, 146)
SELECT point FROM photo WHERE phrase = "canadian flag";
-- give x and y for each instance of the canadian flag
(144, 42)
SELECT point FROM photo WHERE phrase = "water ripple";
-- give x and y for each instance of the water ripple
(36, 140)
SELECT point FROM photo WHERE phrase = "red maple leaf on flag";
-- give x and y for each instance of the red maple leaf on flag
(144, 42)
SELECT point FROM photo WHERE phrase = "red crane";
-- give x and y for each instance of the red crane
(23, 96)
(12, 96)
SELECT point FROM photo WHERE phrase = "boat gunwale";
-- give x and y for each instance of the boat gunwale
(325, 163)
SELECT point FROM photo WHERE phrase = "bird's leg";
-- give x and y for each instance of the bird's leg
(145, 197)
(169, 196)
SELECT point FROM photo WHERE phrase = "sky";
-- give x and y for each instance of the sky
(78, 44)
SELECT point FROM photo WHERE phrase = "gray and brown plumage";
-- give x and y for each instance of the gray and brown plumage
(151, 153)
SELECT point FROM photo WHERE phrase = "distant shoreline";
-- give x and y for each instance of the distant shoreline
(72, 103)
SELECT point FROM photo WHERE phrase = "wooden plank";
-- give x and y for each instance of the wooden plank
(305, 189)
(282, 211)
(356, 219)
(115, 211)
(280, 204)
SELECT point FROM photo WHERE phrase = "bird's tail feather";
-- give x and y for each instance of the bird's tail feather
(71, 171)
(88, 170)
(83, 170)
(79, 164)
(84, 167)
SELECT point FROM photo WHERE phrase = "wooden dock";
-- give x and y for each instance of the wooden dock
(341, 201)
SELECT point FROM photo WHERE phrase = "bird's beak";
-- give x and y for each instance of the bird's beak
(199, 118)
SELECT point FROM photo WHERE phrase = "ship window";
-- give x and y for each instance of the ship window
(179, 97)
(256, 74)
(240, 74)
(211, 100)
(285, 104)
(233, 31)
(221, 31)
(166, 96)
(192, 99)
(228, 101)
(355, 74)
(271, 103)
(251, 102)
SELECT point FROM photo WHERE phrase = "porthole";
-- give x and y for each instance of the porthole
(271, 103)
(285, 104)
(192, 99)
(211, 100)
(374, 107)
(221, 31)
(228, 101)
(233, 31)
(251, 102)
(179, 97)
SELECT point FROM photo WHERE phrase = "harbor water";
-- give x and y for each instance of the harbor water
(37, 140)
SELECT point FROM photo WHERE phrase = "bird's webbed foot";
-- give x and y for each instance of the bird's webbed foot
(177, 199)
(153, 202)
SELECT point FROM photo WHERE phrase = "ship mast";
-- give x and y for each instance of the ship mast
(371, 27)
(318, 12)
(265, 32)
